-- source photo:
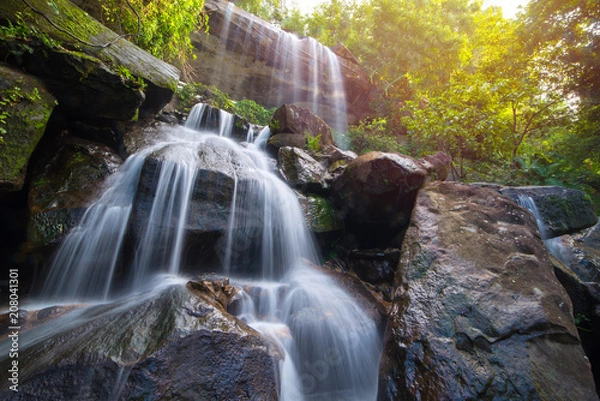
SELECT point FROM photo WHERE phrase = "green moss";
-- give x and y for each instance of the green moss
(24, 122)
(321, 215)
(313, 143)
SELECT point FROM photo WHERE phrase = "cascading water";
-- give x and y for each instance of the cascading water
(305, 72)
(331, 346)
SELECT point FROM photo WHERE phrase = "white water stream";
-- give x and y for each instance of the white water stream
(331, 346)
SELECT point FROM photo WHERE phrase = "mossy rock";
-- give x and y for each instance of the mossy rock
(28, 107)
(82, 37)
(64, 185)
(320, 215)
(559, 210)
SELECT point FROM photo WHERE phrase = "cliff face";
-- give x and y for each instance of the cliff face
(249, 58)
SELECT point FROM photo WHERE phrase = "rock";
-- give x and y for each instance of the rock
(477, 311)
(141, 134)
(302, 124)
(63, 186)
(376, 193)
(585, 297)
(83, 77)
(319, 213)
(361, 295)
(218, 165)
(246, 57)
(28, 108)
(559, 210)
(169, 344)
(301, 171)
(437, 166)
(374, 266)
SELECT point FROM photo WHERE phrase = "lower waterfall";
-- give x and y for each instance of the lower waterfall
(330, 345)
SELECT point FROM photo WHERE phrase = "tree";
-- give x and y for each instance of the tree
(492, 103)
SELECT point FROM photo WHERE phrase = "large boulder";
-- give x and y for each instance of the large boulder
(376, 192)
(87, 76)
(63, 185)
(301, 170)
(558, 210)
(252, 59)
(477, 310)
(295, 126)
(170, 344)
(27, 106)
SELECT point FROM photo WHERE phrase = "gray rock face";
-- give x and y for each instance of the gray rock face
(29, 108)
(477, 311)
(243, 56)
(173, 344)
(560, 210)
(301, 171)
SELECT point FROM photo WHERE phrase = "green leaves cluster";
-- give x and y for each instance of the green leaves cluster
(8, 98)
(162, 27)
(190, 94)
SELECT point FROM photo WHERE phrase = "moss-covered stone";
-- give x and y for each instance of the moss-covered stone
(320, 215)
(77, 32)
(63, 185)
(27, 107)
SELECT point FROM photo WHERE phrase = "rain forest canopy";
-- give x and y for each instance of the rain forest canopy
(514, 101)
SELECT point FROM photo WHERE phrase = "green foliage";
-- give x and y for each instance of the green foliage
(372, 135)
(21, 35)
(8, 98)
(253, 112)
(162, 27)
(313, 143)
(190, 94)
(269, 10)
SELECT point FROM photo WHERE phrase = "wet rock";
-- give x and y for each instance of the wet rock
(319, 213)
(293, 125)
(28, 109)
(63, 186)
(477, 311)
(301, 171)
(585, 297)
(83, 77)
(374, 266)
(168, 344)
(559, 210)
(376, 193)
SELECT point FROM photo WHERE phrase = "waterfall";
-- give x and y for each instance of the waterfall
(306, 73)
(330, 345)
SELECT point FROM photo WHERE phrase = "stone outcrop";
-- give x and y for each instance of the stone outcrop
(63, 185)
(180, 345)
(28, 109)
(376, 192)
(246, 57)
(301, 171)
(477, 311)
(559, 210)
(577, 266)
(84, 77)
(320, 215)
(294, 126)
